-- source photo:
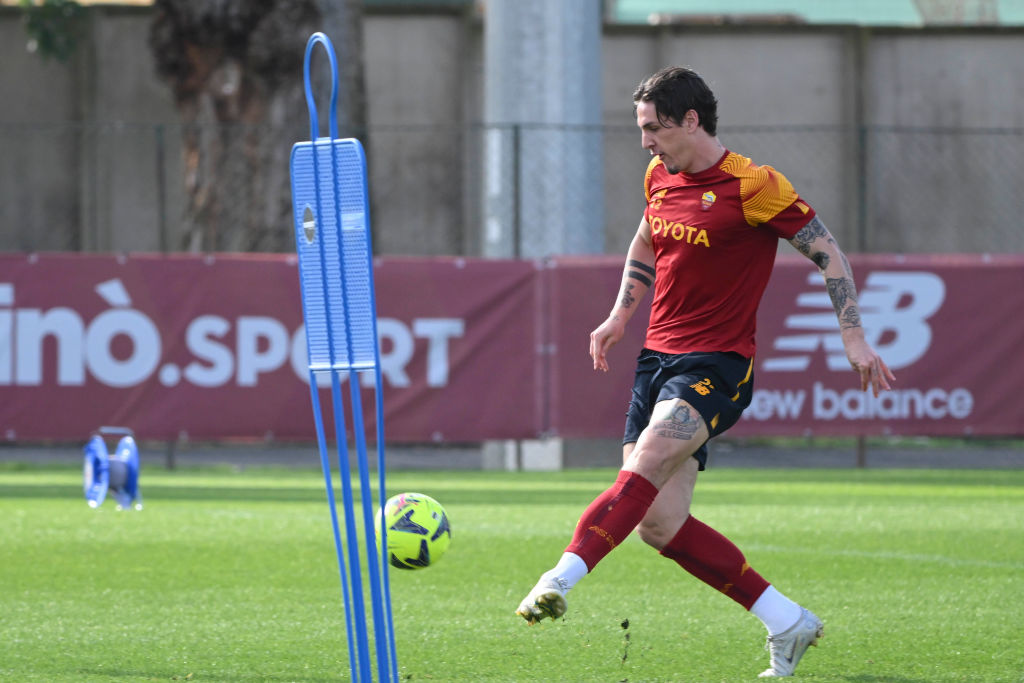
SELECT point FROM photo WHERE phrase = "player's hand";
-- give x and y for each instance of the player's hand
(869, 365)
(603, 338)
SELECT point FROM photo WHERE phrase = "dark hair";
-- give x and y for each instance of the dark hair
(676, 90)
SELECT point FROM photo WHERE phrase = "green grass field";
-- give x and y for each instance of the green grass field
(231, 576)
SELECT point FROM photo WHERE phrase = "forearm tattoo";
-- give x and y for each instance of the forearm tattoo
(633, 263)
(849, 318)
(639, 271)
(680, 424)
(841, 290)
(627, 299)
(844, 299)
(636, 275)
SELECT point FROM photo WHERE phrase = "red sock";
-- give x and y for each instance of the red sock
(611, 517)
(716, 561)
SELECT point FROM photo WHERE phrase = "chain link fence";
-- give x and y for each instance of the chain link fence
(448, 190)
(937, 186)
(88, 187)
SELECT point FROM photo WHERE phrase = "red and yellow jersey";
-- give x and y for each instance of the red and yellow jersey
(715, 234)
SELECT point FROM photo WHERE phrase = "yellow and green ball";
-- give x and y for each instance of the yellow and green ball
(417, 530)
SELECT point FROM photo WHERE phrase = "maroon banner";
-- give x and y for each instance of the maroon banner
(945, 325)
(213, 347)
(949, 327)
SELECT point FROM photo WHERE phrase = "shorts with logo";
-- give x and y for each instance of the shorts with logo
(718, 385)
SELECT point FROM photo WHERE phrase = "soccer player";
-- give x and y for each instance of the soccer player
(707, 245)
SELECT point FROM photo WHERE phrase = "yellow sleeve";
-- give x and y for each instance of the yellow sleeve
(764, 192)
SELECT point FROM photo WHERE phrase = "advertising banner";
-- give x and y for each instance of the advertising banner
(950, 327)
(212, 347)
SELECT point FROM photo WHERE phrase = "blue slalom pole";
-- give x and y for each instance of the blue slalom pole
(325, 465)
(331, 212)
(351, 538)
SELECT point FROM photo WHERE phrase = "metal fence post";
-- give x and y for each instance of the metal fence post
(161, 190)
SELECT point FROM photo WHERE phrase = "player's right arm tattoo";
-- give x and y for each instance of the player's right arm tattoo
(640, 272)
(679, 424)
(627, 299)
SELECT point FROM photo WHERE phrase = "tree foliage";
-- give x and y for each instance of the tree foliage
(52, 26)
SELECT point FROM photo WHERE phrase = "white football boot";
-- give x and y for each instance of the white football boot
(789, 646)
(547, 599)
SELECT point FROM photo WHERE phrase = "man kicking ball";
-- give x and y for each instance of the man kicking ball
(707, 245)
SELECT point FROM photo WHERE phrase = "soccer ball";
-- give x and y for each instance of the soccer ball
(417, 530)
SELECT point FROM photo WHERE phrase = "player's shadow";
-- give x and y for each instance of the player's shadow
(872, 678)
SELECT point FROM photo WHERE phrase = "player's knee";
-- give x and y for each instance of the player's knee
(655, 532)
(658, 461)
(649, 534)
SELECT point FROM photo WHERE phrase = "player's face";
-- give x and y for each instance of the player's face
(666, 139)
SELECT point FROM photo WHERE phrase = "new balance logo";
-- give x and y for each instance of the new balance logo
(894, 309)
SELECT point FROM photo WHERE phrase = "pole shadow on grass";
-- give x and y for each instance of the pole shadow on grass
(155, 492)
(203, 674)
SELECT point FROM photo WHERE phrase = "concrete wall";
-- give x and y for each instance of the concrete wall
(38, 154)
(136, 154)
(948, 188)
(415, 91)
(89, 155)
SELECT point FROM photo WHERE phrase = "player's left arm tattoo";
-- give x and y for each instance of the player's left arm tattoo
(849, 318)
(816, 243)
(679, 424)
(844, 300)
(805, 240)
(841, 291)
